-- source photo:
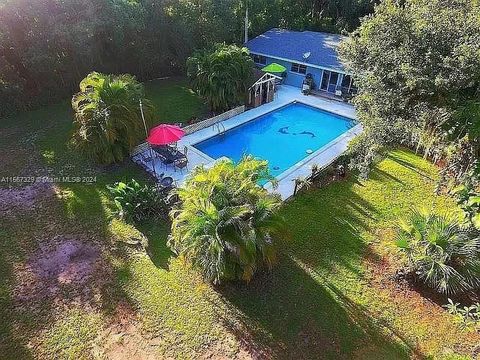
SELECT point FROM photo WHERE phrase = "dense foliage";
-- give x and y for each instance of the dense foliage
(47, 47)
(221, 76)
(108, 122)
(226, 224)
(417, 65)
(440, 251)
(135, 202)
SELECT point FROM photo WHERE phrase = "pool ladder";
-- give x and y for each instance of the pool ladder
(220, 128)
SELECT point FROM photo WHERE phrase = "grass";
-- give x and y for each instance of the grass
(325, 299)
(175, 101)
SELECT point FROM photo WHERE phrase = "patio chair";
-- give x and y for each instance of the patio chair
(183, 161)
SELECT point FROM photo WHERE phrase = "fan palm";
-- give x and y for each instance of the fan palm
(108, 121)
(221, 76)
(441, 252)
(226, 224)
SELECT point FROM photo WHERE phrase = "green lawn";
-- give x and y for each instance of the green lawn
(331, 295)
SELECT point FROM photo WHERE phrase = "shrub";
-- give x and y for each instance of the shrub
(226, 224)
(467, 316)
(221, 76)
(440, 252)
(469, 201)
(135, 202)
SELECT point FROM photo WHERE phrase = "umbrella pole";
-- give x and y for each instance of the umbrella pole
(146, 135)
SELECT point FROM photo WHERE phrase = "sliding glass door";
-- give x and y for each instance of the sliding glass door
(329, 81)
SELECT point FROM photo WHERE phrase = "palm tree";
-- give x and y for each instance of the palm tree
(108, 122)
(226, 224)
(221, 76)
(440, 251)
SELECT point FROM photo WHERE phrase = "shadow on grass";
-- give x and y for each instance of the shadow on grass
(289, 314)
(396, 156)
(330, 226)
(157, 250)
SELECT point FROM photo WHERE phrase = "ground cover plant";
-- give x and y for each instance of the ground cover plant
(333, 294)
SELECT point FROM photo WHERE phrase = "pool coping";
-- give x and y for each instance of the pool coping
(349, 133)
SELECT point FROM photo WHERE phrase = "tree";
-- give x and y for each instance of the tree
(226, 224)
(221, 76)
(441, 252)
(415, 62)
(108, 121)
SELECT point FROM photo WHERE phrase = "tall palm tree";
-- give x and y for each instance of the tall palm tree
(441, 252)
(108, 121)
(221, 76)
(226, 224)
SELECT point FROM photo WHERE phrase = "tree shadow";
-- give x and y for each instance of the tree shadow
(330, 227)
(290, 314)
(157, 249)
(380, 175)
(409, 165)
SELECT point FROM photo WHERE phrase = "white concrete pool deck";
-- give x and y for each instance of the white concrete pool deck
(285, 95)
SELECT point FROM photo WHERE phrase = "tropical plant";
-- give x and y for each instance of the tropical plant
(225, 223)
(440, 251)
(221, 76)
(108, 122)
(135, 202)
(468, 198)
(467, 316)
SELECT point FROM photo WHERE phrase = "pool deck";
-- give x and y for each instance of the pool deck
(286, 181)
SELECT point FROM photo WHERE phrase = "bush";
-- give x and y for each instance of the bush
(468, 199)
(135, 202)
(467, 316)
(226, 225)
(441, 252)
(221, 76)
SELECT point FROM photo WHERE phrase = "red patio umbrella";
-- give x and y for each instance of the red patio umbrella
(165, 134)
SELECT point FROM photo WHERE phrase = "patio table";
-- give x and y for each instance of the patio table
(168, 154)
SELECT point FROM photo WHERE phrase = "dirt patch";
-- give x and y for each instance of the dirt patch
(62, 264)
(26, 197)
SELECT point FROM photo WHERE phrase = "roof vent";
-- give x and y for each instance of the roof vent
(306, 55)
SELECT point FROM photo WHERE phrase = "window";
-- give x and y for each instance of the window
(297, 68)
(259, 59)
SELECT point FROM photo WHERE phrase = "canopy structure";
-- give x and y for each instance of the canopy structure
(165, 134)
(274, 68)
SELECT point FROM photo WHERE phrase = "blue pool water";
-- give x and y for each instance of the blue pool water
(282, 136)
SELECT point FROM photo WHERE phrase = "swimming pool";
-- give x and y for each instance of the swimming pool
(284, 136)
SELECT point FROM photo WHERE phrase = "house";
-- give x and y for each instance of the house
(302, 53)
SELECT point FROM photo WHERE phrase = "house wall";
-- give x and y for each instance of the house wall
(296, 79)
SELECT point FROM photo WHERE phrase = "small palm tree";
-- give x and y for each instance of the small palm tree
(221, 76)
(440, 251)
(226, 224)
(108, 121)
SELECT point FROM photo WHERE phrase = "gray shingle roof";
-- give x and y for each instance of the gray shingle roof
(292, 45)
